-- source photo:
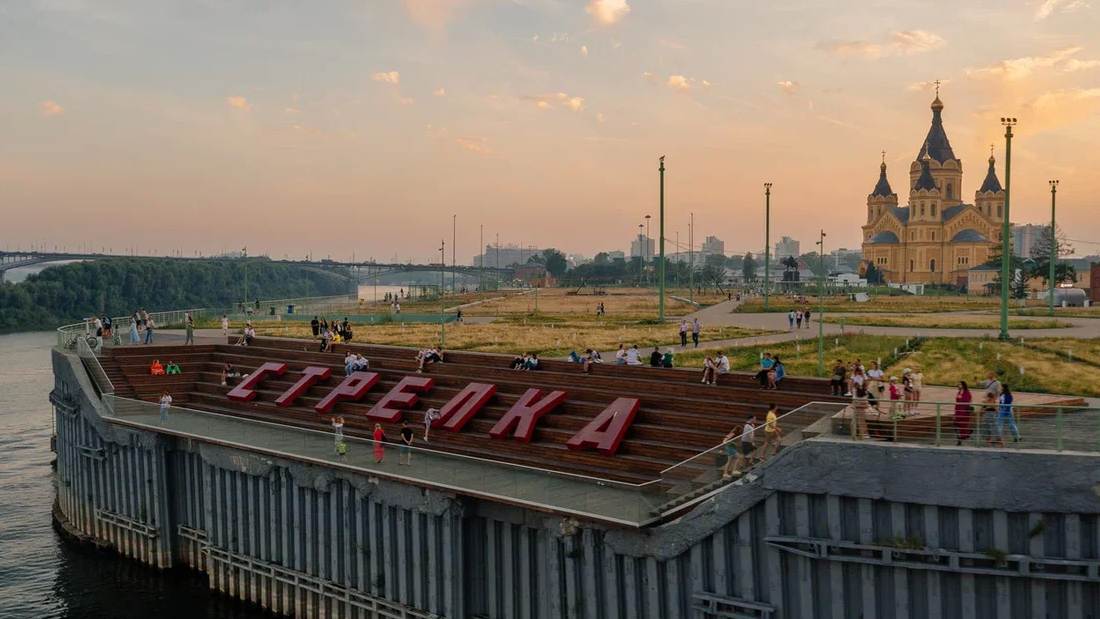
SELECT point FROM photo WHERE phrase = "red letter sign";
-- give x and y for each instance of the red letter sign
(403, 395)
(525, 413)
(606, 431)
(466, 403)
(243, 392)
(310, 376)
(353, 387)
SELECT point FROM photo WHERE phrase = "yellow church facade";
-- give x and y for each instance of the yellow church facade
(936, 238)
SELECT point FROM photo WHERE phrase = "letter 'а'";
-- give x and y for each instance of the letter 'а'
(403, 395)
(353, 387)
(244, 391)
(520, 420)
(606, 431)
(466, 403)
(310, 376)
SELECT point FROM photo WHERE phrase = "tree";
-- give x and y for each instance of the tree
(555, 262)
(748, 267)
(602, 258)
(873, 275)
(1017, 265)
(1040, 254)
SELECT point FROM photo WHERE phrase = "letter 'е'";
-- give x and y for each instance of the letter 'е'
(245, 391)
(525, 413)
(403, 395)
(353, 387)
(310, 376)
(606, 431)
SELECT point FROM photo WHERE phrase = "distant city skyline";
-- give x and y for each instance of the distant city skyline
(362, 128)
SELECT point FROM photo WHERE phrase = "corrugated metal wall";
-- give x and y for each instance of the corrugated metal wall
(307, 542)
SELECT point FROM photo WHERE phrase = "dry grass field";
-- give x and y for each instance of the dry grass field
(800, 358)
(878, 303)
(942, 322)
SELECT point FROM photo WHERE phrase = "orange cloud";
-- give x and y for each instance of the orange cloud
(1020, 68)
(787, 86)
(608, 11)
(50, 108)
(387, 77)
(902, 42)
(238, 103)
(475, 145)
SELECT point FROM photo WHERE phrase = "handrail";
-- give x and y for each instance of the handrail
(759, 428)
(95, 369)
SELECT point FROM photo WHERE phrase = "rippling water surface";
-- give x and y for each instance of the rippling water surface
(40, 575)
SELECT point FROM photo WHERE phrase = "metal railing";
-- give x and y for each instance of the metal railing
(977, 424)
(87, 349)
(68, 335)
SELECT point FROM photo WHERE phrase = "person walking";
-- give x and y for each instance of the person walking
(772, 432)
(790, 320)
(837, 381)
(729, 446)
(315, 326)
(149, 328)
(135, 338)
(338, 433)
(225, 325)
(696, 329)
(748, 444)
(1005, 416)
(683, 333)
(165, 404)
(806, 316)
(798, 319)
(963, 411)
(189, 328)
(379, 447)
(406, 444)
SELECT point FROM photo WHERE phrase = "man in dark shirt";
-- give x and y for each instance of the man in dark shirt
(315, 325)
(406, 444)
(655, 358)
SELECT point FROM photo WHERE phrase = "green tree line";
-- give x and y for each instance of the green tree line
(118, 286)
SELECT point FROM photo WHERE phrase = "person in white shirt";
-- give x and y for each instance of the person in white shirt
(165, 404)
(430, 416)
(722, 364)
(620, 356)
(875, 385)
(632, 357)
(225, 325)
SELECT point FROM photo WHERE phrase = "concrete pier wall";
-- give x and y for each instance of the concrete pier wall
(825, 530)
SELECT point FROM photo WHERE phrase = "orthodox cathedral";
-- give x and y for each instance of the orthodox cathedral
(936, 238)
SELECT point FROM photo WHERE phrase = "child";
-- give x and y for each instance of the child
(895, 397)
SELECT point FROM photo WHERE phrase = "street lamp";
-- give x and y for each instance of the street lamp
(767, 239)
(641, 253)
(661, 233)
(1053, 242)
(442, 281)
(821, 307)
(648, 253)
(1006, 230)
(454, 242)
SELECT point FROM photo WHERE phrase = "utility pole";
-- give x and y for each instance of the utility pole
(454, 241)
(1006, 231)
(661, 241)
(767, 240)
(821, 307)
(691, 257)
(481, 261)
(641, 254)
(1053, 242)
(648, 251)
(442, 282)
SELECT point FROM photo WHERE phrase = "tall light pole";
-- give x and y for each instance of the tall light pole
(661, 242)
(641, 253)
(481, 261)
(1006, 230)
(442, 282)
(821, 307)
(498, 260)
(691, 257)
(767, 240)
(1053, 242)
(454, 241)
(648, 251)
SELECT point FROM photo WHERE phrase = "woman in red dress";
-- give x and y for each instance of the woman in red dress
(963, 410)
(379, 449)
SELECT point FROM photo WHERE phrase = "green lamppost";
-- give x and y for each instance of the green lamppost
(661, 233)
(1006, 231)
(767, 240)
(821, 307)
(1053, 243)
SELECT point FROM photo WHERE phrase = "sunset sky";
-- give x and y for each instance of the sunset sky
(341, 127)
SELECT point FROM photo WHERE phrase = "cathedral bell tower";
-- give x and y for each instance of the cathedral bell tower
(943, 166)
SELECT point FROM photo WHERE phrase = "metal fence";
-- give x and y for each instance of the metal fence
(1016, 426)
(87, 350)
(69, 335)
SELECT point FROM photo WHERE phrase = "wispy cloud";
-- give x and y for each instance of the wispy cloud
(1073, 64)
(1061, 107)
(684, 84)
(432, 14)
(557, 99)
(928, 86)
(238, 103)
(387, 77)
(608, 11)
(439, 92)
(787, 86)
(1047, 8)
(50, 108)
(902, 42)
(1020, 68)
(476, 145)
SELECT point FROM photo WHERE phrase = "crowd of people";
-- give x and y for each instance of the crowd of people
(798, 318)
(739, 444)
(527, 362)
(329, 333)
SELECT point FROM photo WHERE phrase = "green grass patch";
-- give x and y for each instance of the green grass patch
(940, 322)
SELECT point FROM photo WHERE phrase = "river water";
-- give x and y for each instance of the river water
(41, 575)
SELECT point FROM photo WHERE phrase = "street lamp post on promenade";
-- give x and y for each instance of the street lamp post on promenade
(481, 261)
(648, 252)
(691, 257)
(767, 239)
(641, 254)
(454, 241)
(1006, 231)
(661, 241)
(821, 307)
(1053, 243)
(442, 282)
